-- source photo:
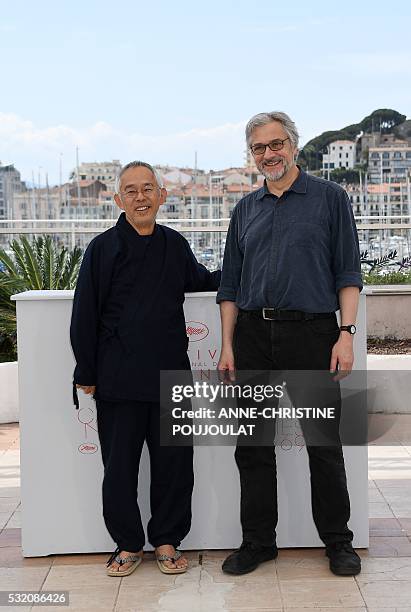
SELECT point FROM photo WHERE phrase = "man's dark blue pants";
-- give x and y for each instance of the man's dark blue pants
(123, 427)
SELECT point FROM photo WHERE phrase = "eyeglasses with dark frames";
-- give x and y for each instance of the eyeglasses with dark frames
(274, 145)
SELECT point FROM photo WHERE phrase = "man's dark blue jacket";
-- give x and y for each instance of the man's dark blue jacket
(128, 320)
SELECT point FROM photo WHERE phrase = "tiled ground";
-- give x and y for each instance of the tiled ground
(298, 580)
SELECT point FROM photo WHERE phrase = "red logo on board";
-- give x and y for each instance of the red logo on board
(196, 331)
(88, 448)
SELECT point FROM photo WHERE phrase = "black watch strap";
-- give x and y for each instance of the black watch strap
(351, 329)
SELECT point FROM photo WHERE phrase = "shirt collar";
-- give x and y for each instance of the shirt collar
(124, 226)
(299, 185)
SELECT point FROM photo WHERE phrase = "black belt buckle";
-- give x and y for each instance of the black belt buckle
(267, 318)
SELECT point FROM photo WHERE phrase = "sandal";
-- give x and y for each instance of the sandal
(170, 570)
(134, 559)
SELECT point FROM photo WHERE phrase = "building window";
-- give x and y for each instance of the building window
(385, 155)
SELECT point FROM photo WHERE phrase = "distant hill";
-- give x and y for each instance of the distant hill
(384, 120)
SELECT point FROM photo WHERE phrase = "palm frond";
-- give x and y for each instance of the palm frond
(69, 277)
(32, 265)
(18, 252)
(38, 244)
(8, 263)
(8, 287)
(10, 282)
(38, 264)
(48, 262)
(61, 262)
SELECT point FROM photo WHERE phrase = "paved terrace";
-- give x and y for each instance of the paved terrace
(298, 580)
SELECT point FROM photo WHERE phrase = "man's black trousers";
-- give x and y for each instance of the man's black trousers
(123, 427)
(289, 345)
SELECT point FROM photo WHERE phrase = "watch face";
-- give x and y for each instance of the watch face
(351, 329)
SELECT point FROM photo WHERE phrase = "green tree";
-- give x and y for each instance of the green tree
(385, 120)
(345, 175)
(38, 264)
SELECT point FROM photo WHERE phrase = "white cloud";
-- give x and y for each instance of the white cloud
(29, 146)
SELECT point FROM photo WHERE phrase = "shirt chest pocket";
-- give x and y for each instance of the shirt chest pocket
(307, 234)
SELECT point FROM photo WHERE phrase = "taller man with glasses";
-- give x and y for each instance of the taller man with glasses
(291, 261)
(127, 325)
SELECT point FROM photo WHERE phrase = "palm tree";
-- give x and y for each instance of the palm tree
(39, 264)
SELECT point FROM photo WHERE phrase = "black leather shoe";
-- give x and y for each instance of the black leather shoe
(248, 557)
(344, 561)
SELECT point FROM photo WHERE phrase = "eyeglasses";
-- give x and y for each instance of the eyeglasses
(274, 145)
(131, 194)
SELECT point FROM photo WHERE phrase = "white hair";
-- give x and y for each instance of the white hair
(138, 164)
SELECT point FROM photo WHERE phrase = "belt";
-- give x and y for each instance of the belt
(273, 314)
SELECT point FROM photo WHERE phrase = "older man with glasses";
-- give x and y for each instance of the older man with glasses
(291, 261)
(128, 325)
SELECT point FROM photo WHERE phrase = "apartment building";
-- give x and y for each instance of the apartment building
(10, 183)
(105, 172)
(389, 162)
(341, 154)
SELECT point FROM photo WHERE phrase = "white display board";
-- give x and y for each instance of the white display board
(61, 467)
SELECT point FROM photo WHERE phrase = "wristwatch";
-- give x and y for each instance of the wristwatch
(351, 329)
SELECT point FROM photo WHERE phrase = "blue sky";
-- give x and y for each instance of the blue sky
(161, 80)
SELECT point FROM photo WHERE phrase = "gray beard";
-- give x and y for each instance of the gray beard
(272, 175)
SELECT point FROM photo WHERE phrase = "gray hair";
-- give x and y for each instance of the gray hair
(138, 164)
(265, 118)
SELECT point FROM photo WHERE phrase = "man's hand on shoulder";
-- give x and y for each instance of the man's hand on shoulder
(91, 389)
(342, 356)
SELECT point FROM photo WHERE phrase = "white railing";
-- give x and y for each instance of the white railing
(377, 233)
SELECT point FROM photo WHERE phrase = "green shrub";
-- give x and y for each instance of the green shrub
(38, 264)
(391, 278)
